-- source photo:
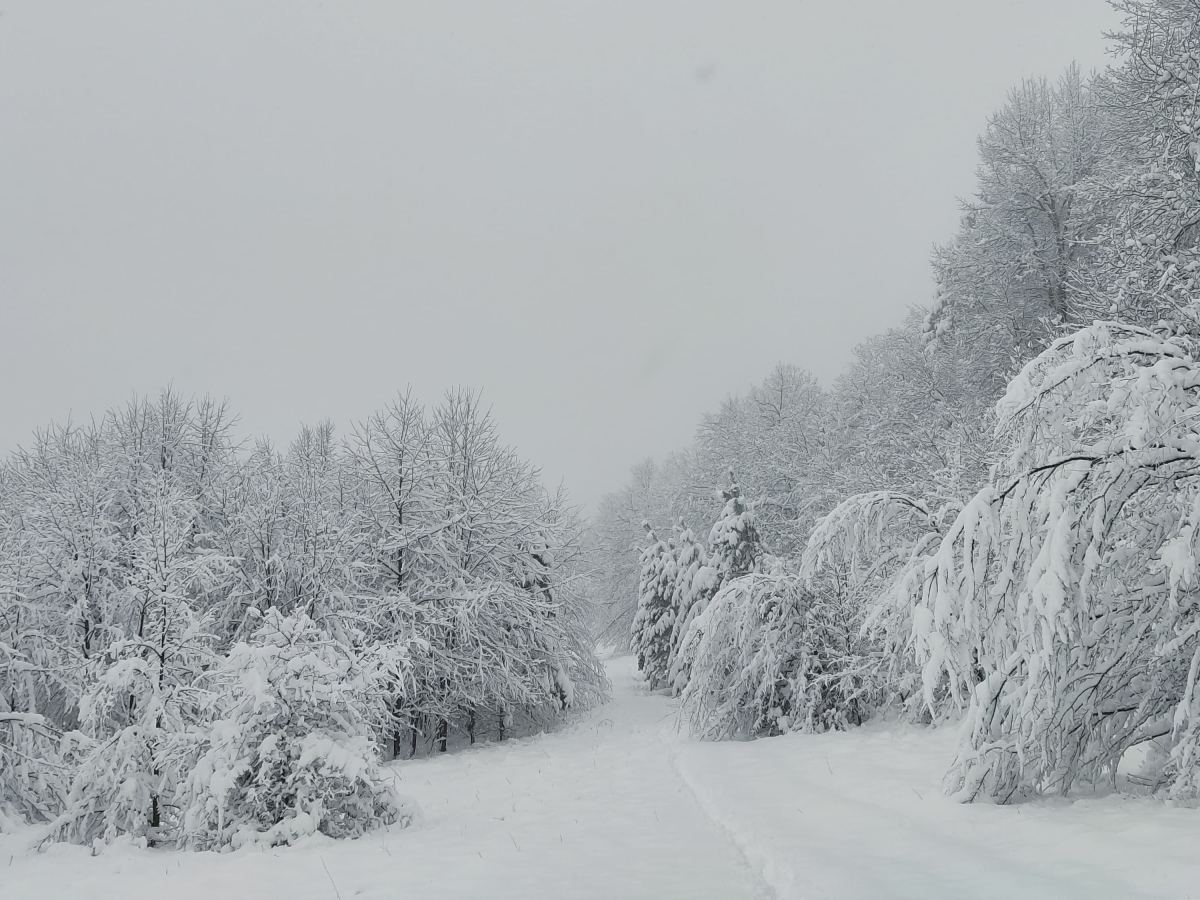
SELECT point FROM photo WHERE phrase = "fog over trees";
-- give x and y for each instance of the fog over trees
(989, 522)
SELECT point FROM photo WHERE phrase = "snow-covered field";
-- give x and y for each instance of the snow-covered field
(620, 806)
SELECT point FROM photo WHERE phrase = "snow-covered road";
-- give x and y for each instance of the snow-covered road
(619, 806)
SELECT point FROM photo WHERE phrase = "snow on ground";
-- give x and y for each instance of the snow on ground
(861, 815)
(619, 806)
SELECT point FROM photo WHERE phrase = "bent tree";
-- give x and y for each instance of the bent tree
(1063, 601)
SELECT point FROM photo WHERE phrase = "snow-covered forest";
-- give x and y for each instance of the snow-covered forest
(215, 644)
(833, 647)
(991, 516)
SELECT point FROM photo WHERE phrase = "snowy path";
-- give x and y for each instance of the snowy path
(861, 815)
(596, 811)
(618, 807)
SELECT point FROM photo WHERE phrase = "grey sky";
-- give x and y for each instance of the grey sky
(608, 215)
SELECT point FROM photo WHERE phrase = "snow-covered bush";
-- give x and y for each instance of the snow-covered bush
(771, 657)
(866, 552)
(291, 753)
(122, 785)
(36, 764)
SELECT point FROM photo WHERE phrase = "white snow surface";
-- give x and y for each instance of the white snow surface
(619, 805)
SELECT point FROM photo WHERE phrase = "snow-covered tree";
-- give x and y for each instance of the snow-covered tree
(909, 418)
(657, 492)
(689, 588)
(775, 437)
(1060, 608)
(772, 657)
(1145, 250)
(651, 634)
(734, 545)
(1006, 278)
(734, 550)
(137, 553)
(290, 751)
(141, 690)
(391, 457)
(863, 558)
(58, 578)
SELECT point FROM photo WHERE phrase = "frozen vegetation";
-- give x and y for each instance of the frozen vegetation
(930, 631)
(214, 647)
(593, 810)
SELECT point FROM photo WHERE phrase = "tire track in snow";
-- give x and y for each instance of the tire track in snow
(759, 864)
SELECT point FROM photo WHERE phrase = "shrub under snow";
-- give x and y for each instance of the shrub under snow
(292, 753)
(769, 657)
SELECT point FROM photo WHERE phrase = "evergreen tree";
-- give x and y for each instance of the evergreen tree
(651, 637)
(734, 546)
(734, 550)
(690, 560)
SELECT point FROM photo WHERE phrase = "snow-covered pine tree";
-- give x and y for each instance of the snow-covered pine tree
(734, 550)
(734, 546)
(651, 636)
(687, 593)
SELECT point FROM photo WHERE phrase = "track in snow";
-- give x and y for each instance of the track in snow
(620, 807)
(593, 812)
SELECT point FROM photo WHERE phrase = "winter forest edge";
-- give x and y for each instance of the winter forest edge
(988, 522)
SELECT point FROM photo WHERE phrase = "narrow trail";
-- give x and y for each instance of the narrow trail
(596, 810)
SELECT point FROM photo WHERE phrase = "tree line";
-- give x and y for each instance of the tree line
(214, 643)
(992, 515)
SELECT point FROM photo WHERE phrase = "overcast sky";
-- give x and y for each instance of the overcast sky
(608, 215)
